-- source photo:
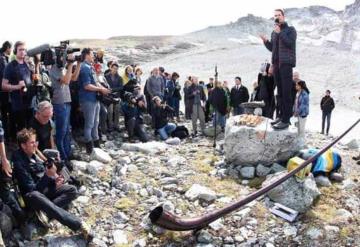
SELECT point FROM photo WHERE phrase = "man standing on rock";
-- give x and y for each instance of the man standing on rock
(283, 48)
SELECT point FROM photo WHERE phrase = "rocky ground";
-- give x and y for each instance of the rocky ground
(119, 192)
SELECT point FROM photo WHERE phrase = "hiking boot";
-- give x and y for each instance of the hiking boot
(86, 231)
(281, 126)
(276, 121)
(89, 147)
(44, 220)
(97, 144)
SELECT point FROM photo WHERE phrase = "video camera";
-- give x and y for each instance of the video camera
(59, 54)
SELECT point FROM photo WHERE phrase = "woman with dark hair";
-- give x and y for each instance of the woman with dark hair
(266, 91)
(301, 106)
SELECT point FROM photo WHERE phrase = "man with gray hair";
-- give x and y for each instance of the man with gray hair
(197, 98)
(43, 125)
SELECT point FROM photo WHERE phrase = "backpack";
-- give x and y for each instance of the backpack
(181, 132)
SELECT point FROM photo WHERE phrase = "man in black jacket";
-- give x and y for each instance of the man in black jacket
(197, 98)
(327, 105)
(219, 101)
(41, 187)
(239, 94)
(283, 48)
(116, 84)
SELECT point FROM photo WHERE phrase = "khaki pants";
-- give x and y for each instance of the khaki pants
(301, 126)
(198, 113)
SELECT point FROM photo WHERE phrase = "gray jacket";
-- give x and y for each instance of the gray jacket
(155, 86)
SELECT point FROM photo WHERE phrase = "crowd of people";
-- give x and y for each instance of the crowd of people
(43, 106)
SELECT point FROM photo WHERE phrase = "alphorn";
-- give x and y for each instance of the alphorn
(169, 221)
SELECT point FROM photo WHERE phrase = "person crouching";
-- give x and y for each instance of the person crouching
(161, 112)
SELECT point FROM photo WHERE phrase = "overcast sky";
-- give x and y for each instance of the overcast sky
(40, 21)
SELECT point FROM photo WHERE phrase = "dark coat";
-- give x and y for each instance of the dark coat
(30, 175)
(239, 96)
(283, 46)
(218, 100)
(160, 115)
(327, 104)
(191, 94)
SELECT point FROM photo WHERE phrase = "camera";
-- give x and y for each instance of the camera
(277, 21)
(53, 158)
(111, 98)
(59, 54)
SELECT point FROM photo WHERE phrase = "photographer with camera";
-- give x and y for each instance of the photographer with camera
(41, 187)
(88, 99)
(116, 84)
(133, 107)
(161, 113)
(16, 80)
(283, 48)
(61, 75)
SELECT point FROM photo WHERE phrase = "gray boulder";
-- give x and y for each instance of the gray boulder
(298, 195)
(262, 171)
(73, 241)
(147, 148)
(200, 192)
(323, 181)
(261, 144)
(247, 172)
(100, 155)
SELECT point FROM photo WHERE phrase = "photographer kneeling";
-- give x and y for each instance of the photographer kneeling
(41, 187)
(88, 99)
(133, 107)
(161, 113)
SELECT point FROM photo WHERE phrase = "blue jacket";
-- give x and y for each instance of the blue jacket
(302, 109)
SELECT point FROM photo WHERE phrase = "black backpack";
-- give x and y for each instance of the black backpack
(181, 132)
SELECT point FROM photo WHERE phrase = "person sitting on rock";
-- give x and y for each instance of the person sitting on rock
(133, 107)
(161, 113)
(41, 187)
